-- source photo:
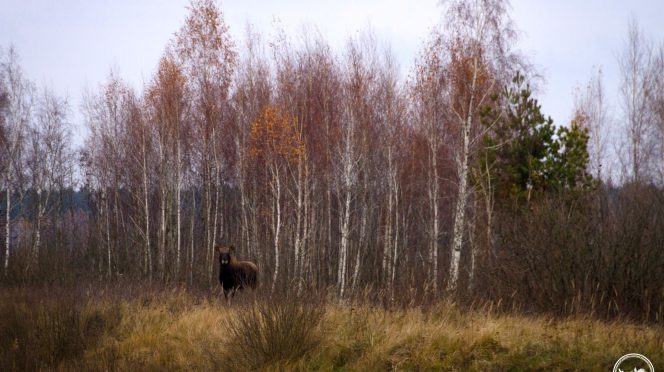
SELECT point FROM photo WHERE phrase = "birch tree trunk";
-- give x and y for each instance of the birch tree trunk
(214, 227)
(178, 206)
(387, 242)
(161, 254)
(42, 210)
(474, 249)
(207, 185)
(356, 270)
(345, 230)
(462, 192)
(146, 206)
(108, 234)
(100, 234)
(217, 192)
(459, 216)
(360, 246)
(298, 223)
(328, 246)
(19, 105)
(343, 247)
(119, 223)
(276, 191)
(396, 231)
(37, 243)
(193, 222)
(240, 171)
(305, 229)
(433, 202)
(346, 185)
(7, 218)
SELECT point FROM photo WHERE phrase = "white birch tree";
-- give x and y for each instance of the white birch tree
(49, 156)
(478, 39)
(636, 87)
(17, 116)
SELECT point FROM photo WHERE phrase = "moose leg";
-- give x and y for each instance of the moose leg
(228, 295)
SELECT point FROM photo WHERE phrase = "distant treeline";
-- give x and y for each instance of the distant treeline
(62, 201)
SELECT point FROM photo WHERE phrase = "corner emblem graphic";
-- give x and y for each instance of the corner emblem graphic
(633, 362)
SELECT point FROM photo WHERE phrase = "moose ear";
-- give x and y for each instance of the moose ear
(218, 248)
(231, 249)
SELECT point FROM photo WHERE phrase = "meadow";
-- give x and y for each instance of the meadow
(129, 327)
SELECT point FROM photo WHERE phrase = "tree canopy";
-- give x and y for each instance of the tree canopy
(525, 152)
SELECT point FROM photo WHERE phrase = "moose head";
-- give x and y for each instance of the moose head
(226, 254)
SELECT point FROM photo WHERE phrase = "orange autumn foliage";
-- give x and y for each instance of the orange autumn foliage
(274, 136)
(467, 61)
(166, 92)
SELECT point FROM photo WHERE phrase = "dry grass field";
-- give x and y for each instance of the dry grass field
(172, 329)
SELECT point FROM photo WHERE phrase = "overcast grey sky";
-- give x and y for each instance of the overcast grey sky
(73, 44)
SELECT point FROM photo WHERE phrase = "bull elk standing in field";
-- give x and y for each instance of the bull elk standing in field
(233, 274)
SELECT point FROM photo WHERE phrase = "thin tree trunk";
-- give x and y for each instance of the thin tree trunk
(7, 218)
(305, 230)
(462, 194)
(254, 228)
(343, 252)
(474, 254)
(100, 234)
(214, 228)
(488, 205)
(277, 195)
(387, 243)
(146, 206)
(460, 213)
(119, 223)
(178, 210)
(191, 249)
(206, 225)
(363, 234)
(161, 249)
(244, 228)
(396, 234)
(208, 207)
(298, 224)
(37, 243)
(217, 192)
(356, 269)
(162, 246)
(328, 246)
(433, 200)
(108, 235)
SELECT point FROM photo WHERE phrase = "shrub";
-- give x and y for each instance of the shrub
(42, 333)
(271, 332)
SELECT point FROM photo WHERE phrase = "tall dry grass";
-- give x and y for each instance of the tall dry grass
(173, 329)
(447, 338)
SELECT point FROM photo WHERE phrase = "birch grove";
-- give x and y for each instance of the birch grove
(336, 173)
